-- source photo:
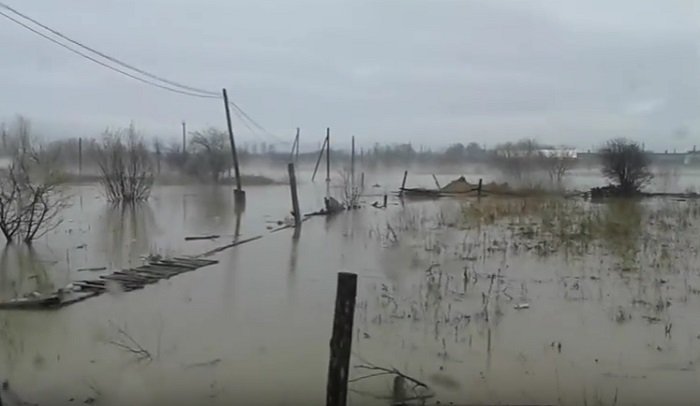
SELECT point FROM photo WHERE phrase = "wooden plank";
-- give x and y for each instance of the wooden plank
(128, 280)
(136, 275)
(31, 303)
(173, 265)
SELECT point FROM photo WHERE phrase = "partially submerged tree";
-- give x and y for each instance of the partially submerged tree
(125, 165)
(556, 166)
(626, 165)
(175, 157)
(31, 196)
(210, 154)
(517, 160)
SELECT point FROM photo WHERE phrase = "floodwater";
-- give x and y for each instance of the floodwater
(609, 320)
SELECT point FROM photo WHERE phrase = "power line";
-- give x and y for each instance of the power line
(110, 58)
(102, 63)
(172, 86)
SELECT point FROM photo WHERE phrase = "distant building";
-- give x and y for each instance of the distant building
(558, 152)
(564, 153)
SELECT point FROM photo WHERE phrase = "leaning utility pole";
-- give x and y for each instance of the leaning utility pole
(238, 192)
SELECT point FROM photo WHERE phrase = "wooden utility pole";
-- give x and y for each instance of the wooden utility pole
(320, 155)
(341, 340)
(295, 197)
(352, 163)
(80, 156)
(294, 154)
(238, 193)
(184, 138)
(328, 154)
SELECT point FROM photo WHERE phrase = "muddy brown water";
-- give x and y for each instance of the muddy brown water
(254, 329)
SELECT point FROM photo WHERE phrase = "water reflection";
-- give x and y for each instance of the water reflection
(213, 206)
(239, 208)
(127, 233)
(22, 272)
(622, 228)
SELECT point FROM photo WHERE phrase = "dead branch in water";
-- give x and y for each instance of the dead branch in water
(127, 343)
(399, 395)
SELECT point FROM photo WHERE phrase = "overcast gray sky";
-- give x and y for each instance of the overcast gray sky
(429, 72)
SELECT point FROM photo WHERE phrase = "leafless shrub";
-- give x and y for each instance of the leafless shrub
(125, 166)
(626, 164)
(31, 196)
(351, 191)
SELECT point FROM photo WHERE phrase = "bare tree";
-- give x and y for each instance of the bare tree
(10, 210)
(556, 167)
(42, 198)
(518, 159)
(210, 154)
(626, 164)
(126, 167)
(175, 157)
(31, 196)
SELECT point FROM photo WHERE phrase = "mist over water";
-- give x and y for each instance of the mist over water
(254, 328)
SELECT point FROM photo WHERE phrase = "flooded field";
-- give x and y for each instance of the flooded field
(483, 301)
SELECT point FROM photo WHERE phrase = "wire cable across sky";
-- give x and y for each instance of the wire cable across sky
(124, 67)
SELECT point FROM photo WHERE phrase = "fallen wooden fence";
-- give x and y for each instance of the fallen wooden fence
(125, 280)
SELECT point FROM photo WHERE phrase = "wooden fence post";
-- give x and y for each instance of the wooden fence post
(341, 341)
(403, 183)
(295, 198)
(478, 190)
